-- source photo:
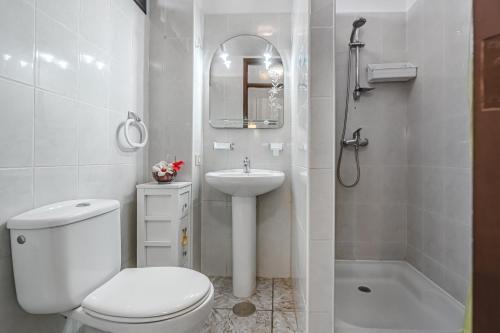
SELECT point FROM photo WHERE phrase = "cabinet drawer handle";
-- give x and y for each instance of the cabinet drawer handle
(185, 205)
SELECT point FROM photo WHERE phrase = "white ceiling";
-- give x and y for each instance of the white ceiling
(245, 6)
(285, 6)
(352, 6)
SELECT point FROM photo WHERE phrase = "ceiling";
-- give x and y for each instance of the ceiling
(245, 6)
(373, 6)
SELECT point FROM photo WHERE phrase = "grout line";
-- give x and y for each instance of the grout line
(34, 73)
(272, 305)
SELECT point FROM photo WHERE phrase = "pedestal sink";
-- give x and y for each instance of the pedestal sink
(244, 187)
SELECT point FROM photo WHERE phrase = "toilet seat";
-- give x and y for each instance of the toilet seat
(146, 295)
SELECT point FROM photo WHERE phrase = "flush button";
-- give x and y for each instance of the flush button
(21, 239)
(83, 204)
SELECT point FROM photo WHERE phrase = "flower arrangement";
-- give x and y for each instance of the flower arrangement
(164, 172)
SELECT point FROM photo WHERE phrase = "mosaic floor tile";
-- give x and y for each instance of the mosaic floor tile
(284, 322)
(283, 295)
(273, 299)
(225, 321)
(224, 298)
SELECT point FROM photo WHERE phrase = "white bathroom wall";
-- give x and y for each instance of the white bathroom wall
(176, 95)
(171, 83)
(371, 217)
(439, 144)
(414, 198)
(321, 167)
(197, 170)
(69, 72)
(299, 92)
(313, 96)
(273, 219)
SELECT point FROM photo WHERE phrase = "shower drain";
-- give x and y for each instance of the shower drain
(364, 289)
(244, 309)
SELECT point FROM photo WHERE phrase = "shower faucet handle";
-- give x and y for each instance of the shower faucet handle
(356, 141)
(360, 90)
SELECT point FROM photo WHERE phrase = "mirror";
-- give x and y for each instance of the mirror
(246, 84)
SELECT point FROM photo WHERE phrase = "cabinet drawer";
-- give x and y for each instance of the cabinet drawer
(159, 256)
(184, 204)
(159, 230)
(160, 205)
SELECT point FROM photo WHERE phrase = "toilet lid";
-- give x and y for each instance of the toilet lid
(146, 293)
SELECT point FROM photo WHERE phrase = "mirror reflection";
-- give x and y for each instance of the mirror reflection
(246, 84)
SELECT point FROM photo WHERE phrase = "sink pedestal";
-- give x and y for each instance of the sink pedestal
(244, 186)
(244, 245)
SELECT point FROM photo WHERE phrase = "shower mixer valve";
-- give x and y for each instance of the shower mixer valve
(356, 140)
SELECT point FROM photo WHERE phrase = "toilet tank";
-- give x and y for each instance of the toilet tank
(64, 251)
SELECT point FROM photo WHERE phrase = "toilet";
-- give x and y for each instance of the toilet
(66, 258)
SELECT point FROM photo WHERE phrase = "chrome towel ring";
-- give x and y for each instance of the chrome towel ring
(134, 119)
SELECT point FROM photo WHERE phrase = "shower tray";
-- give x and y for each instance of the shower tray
(391, 297)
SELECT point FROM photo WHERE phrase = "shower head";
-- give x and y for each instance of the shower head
(358, 23)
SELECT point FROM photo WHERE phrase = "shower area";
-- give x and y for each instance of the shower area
(403, 193)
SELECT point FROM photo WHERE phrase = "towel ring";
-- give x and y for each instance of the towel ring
(134, 119)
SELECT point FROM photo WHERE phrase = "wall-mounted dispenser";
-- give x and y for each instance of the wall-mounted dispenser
(223, 146)
(276, 148)
(391, 72)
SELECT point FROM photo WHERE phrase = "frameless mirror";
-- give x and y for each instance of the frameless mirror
(246, 84)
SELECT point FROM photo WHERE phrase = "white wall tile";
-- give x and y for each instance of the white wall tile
(95, 22)
(96, 181)
(55, 184)
(273, 224)
(56, 56)
(375, 210)
(321, 217)
(320, 322)
(92, 135)
(16, 194)
(55, 130)
(17, 40)
(121, 34)
(120, 86)
(16, 127)
(321, 277)
(174, 61)
(93, 75)
(439, 186)
(322, 137)
(216, 239)
(64, 11)
(322, 62)
(41, 123)
(322, 12)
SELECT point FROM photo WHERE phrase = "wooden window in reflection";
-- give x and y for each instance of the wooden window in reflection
(490, 74)
(256, 85)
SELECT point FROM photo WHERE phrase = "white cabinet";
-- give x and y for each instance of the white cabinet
(164, 227)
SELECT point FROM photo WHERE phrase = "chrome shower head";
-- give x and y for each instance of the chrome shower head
(358, 23)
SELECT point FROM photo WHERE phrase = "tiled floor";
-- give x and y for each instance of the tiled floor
(273, 300)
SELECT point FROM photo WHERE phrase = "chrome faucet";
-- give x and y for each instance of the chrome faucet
(246, 165)
(356, 141)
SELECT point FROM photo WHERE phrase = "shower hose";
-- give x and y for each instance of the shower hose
(342, 139)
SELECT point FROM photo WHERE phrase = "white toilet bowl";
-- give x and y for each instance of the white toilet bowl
(66, 259)
(149, 300)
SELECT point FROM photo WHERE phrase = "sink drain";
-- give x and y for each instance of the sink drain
(244, 309)
(364, 289)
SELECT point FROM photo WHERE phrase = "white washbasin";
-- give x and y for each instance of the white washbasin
(244, 188)
(238, 183)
